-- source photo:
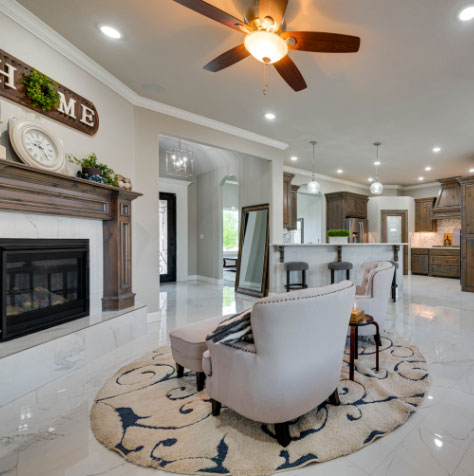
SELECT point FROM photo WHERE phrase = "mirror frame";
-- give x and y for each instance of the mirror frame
(264, 284)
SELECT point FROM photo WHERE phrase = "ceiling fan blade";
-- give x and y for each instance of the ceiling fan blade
(227, 59)
(214, 13)
(320, 42)
(290, 73)
(274, 9)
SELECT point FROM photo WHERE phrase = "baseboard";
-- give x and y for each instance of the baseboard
(196, 277)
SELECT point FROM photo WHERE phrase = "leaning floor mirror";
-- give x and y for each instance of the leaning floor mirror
(252, 264)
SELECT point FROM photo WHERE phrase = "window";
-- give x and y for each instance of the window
(230, 230)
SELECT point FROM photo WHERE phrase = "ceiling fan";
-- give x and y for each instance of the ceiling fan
(267, 40)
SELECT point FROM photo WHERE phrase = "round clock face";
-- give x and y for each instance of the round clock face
(36, 146)
(40, 146)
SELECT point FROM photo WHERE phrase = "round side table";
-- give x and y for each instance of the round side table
(354, 348)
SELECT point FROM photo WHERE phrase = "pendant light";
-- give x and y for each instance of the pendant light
(376, 188)
(313, 186)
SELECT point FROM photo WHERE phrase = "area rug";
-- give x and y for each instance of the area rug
(152, 418)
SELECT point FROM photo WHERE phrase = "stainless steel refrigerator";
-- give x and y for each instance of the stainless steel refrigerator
(359, 230)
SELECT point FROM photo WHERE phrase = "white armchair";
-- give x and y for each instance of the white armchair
(294, 363)
(373, 294)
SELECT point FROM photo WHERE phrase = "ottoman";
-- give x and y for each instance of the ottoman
(189, 343)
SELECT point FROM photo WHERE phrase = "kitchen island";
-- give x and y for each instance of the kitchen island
(319, 255)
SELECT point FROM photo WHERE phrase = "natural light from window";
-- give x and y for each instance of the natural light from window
(230, 230)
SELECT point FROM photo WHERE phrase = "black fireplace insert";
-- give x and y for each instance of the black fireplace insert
(43, 283)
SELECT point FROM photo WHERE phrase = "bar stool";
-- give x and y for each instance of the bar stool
(394, 281)
(340, 266)
(296, 266)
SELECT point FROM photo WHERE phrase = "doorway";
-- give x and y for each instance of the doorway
(395, 230)
(167, 211)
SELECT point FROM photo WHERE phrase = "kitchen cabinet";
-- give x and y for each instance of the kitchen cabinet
(290, 211)
(445, 263)
(342, 205)
(424, 215)
(467, 234)
(420, 263)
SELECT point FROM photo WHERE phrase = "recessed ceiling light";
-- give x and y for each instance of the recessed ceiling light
(437, 149)
(471, 171)
(467, 13)
(294, 158)
(270, 116)
(428, 168)
(339, 171)
(110, 31)
(370, 179)
(377, 163)
(421, 179)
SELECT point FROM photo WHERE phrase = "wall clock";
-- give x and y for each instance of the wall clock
(37, 146)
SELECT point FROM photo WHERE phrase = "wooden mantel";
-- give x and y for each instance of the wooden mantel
(30, 190)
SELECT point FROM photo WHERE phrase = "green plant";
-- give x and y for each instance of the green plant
(91, 162)
(230, 230)
(41, 90)
(338, 233)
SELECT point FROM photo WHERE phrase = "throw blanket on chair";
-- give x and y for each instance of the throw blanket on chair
(234, 329)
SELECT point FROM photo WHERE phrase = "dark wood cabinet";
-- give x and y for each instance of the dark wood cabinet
(441, 263)
(448, 202)
(445, 263)
(342, 205)
(467, 234)
(420, 263)
(290, 213)
(424, 215)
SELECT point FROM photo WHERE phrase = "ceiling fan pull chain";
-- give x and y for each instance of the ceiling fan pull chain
(265, 78)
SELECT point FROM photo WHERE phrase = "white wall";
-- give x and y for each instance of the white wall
(423, 192)
(310, 208)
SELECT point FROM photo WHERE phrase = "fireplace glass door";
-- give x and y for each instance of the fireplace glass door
(43, 285)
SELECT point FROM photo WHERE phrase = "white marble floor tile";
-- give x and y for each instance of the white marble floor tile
(47, 432)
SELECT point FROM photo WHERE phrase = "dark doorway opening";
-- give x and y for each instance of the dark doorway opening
(167, 210)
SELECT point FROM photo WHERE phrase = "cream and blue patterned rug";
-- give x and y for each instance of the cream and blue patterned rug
(152, 418)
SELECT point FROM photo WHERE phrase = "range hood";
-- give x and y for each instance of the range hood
(448, 202)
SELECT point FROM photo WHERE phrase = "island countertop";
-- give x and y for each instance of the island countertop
(339, 244)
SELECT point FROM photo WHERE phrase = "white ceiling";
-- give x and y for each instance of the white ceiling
(410, 86)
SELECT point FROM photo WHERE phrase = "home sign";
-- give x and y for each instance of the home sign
(72, 109)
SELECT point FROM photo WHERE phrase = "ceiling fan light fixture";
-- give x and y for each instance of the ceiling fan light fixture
(265, 46)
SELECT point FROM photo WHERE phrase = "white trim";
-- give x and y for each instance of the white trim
(52, 38)
(307, 173)
(423, 185)
(170, 181)
(196, 277)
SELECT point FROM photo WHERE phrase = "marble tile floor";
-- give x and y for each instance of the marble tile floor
(47, 432)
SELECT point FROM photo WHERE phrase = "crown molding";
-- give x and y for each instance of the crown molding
(307, 173)
(422, 185)
(23, 17)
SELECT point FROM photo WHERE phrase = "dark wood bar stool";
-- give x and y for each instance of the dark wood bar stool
(296, 266)
(340, 266)
(394, 282)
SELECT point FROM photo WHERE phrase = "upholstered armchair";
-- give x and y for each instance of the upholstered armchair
(373, 294)
(294, 363)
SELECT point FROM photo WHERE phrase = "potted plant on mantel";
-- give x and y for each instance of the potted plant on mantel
(338, 237)
(94, 170)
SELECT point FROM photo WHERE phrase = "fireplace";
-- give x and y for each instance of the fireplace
(43, 283)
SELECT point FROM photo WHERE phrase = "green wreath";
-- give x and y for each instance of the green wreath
(41, 90)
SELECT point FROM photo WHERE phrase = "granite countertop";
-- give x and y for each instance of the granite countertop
(436, 247)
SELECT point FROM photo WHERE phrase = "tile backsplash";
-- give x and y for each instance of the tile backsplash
(427, 240)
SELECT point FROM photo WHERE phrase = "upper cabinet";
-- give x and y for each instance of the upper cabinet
(448, 203)
(424, 214)
(289, 202)
(342, 205)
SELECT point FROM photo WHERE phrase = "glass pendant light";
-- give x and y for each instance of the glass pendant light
(313, 186)
(377, 188)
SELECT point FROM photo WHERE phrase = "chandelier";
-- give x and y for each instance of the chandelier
(179, 162)
(376, 188)
(313, 186)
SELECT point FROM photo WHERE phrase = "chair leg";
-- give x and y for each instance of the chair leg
(282, 433)
(200, 379)
(334, 398)
(348, 274)
(216, 407)
(287, 281)
(179, 370)
(304, 279)
(332, 276)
